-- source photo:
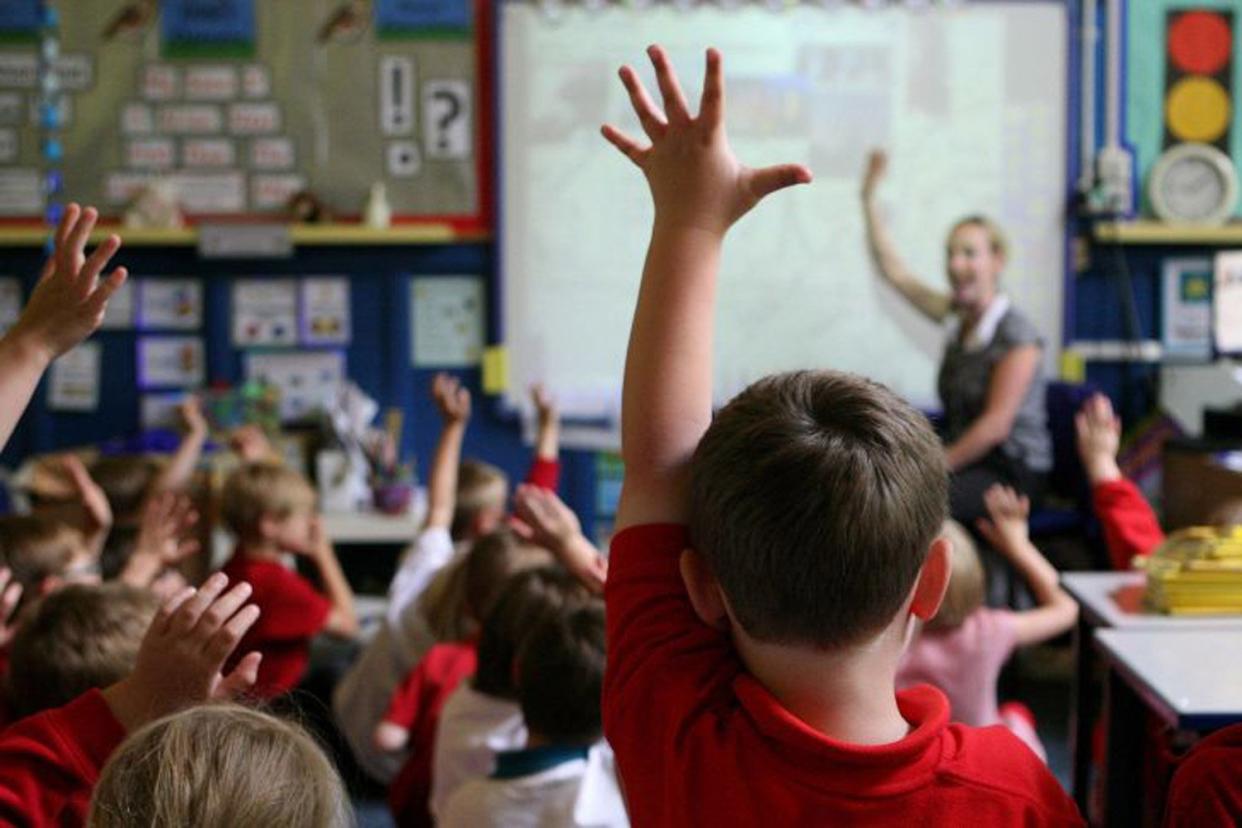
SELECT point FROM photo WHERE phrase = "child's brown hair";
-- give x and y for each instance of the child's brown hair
(75, 639)
(480, 487)
(35, 547)
(260, 490)
(220, 765)
(815, 496)
(560, 676)
(125, 480)
(967, 582)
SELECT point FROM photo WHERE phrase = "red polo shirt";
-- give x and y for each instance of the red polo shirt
(699, 741)
(1207, 788)
(1130, 526)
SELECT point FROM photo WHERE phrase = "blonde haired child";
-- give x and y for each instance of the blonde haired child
(963, 647)
(220, 765)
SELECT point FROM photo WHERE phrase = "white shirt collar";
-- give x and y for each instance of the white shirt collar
(985, 329)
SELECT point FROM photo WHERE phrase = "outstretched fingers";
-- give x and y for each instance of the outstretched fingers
(712, 104)
(627, 145)
(763, 182)
(675, 107)
(648, 114)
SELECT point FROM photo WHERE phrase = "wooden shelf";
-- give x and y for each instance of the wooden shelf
(307, 235)
(1159, 232)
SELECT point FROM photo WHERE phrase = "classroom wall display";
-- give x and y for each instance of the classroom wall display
(120, 311)
(265, 312)
(325, 317)
(241, 104)
(1227, 303)
(306, 380)
(73, 380)
(1182, 80)
(169, 303)
(170, 362)
(1187, 308)
(970, 103)
(448, 314)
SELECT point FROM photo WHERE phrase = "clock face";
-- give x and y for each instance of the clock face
(1193, 188)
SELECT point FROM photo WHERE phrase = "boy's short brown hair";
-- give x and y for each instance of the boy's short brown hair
(967, 583)
(125, 480)
(259, 490)
(75, 639)
(561, 676)
(815, 496)
(480, 486)
(35, 547)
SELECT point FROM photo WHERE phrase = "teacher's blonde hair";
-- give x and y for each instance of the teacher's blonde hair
(220, 765)
(996, 237)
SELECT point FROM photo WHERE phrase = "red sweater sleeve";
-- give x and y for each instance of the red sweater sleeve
(546, 474)
(49, 763)
(1130, 526)
(407, 698)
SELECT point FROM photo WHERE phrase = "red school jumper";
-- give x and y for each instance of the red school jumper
(699, 741)
(416, 706)
(50, 762)
(291, 613)
(1207, 788)
(1130, 526)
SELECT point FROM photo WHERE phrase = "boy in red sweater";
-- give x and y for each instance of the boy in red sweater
(771, 561)
(271, 511)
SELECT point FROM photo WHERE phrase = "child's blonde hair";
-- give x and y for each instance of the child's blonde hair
(261, 490)
(966, 579)
(35, 547)
(75, 639)
(480, 487)
(220, 765)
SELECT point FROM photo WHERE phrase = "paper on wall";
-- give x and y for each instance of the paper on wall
(448, 320)
(73, 381)
(210, 82)
(1227, 302)
(269, 192)
(170, 362)
(120, 310)
(170, 303)
(8, 146)
(10, 108)
(325, 311)
(306, 380)
(21, 191)
(159, 410)
(208, 152)
(1187, 309)
(265, 312)
(447, 120)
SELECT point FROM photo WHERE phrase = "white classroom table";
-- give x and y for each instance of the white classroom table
(1190, 678)
(1111, 600)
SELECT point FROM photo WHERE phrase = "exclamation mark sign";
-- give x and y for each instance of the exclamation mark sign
(396, 95)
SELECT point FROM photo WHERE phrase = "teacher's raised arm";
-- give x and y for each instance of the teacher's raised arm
(991, 380)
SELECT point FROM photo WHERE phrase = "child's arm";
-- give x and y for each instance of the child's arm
(545, 471)
(342, 619)
(176, 475)
(1130, 526)
(1007, 531)
(932, 303)
(699, 189)
(65, 307)
(161, 540)
(453, 403)
(392, 734)
(548, 522)
(93, 501)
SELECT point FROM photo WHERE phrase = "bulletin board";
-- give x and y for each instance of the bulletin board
(240, 114)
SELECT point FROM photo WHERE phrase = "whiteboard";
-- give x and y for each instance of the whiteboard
(970, 103)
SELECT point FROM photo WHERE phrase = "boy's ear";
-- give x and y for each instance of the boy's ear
(932, 582)
(704, 590)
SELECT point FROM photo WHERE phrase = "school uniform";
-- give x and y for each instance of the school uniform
(474, 729)
(1207, 788)
(50, 762)
(1130, 526)
(416, 706)
(291, 613)
(545, 787)
(699, 741)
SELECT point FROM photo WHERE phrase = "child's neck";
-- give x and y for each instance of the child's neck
(260, 549)
(848, 695)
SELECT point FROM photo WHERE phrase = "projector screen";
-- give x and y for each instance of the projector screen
(969, 102)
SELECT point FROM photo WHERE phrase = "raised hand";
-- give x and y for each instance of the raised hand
(545, 406)
(695, 179)
(180, 659)
(545, 520)
(69, 299)
(190, 411)
(251, 444)
(162, 540)
(451, 399)
(1006, 525)
(877, 166)
(1099, 437)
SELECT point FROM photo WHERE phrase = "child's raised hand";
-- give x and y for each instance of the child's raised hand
(545, 406)
(191, 413)
(68, 301)
(877, 165)
(10, 595)
(544, 519)
(451, 399)
(696, 181)
(162, 540)
(1099, 437)
(251, 444)
(180, 659)
(89, 494)
(1008, 512)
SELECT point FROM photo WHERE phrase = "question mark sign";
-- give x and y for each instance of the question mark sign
(451, 111)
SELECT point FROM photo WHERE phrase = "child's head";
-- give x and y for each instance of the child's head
(220, 765)
(78, 638)
(966, 580)
(267, 502)
(816, 497)
(44, 553)
(125, 479)
(527, 599)
(482, 490)
(560, 676)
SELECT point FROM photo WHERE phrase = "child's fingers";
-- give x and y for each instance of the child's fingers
(163, 619)
(711, 107)
(675, 107)
(189, 613)
(185, 549)
(226, 639)
(98, 259)
(80, 233)
(649, 116)
(770, 179)
(221, 610)
(11, 595)
(628, 146)
(243, 677)
(107, 287)
(67, 221)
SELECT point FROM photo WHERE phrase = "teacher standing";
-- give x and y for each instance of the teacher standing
(991, 381)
